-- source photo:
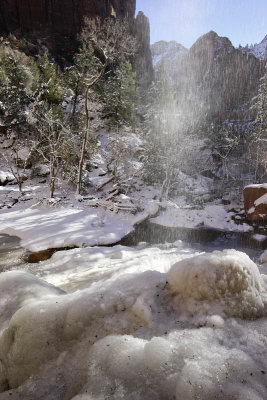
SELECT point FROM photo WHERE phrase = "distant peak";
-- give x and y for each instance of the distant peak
(212, 33)
(219, 41)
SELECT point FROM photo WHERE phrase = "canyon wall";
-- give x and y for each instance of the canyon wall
(63, 17)
(58, 22)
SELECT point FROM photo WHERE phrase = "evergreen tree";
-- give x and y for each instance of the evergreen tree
(120, 94)
(15, 95)
(50, 89)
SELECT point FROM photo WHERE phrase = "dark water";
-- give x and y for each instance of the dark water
(11, 252)
(203, 239)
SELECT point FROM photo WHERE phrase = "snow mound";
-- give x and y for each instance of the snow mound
(228, 278)
(18, 288)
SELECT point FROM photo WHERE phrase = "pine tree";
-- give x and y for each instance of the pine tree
(120, 94)
(50, 89)
(14, 93)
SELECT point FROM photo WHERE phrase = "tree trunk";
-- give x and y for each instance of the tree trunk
(20, 185)
(52, 179)
(85, 139)
(75, 103)
(86, 133)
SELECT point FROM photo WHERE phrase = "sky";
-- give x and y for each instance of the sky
(242, 21)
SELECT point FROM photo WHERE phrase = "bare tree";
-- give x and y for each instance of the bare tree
(227, 140)
(18, 163)
(110, 40)
(52, 138)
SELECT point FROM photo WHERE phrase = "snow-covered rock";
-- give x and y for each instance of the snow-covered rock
(259, 50)
(5, 177)
(169, 51)
(41, 170)
(255, 202)
(263, 257)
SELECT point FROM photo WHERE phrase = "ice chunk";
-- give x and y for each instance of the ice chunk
(228, 279)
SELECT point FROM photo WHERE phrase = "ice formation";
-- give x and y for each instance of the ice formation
(229, 279)
(125, 334)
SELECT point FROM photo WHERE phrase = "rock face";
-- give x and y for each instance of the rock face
(57, 23)
(143, 60)
(170, 51)
(213, 80)
(63, 17)
(259, 50)
(255, 202)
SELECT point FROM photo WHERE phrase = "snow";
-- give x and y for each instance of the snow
(79, 268)
(251, 210)
(211, 216)
(257, 186)
(6, 177)
(260, 50)
(259, 237)
(123, 332)
(261, 200)
(43, 228)
(169, 51)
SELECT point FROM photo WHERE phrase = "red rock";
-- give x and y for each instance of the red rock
(254, 202)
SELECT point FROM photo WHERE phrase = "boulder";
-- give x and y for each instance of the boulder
(22, 157)
(5, 178)
(255, 202)
(41, 170)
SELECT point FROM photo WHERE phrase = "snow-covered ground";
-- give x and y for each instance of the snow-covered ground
(45, 228)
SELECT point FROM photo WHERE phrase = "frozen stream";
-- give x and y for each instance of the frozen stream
(122, 322)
